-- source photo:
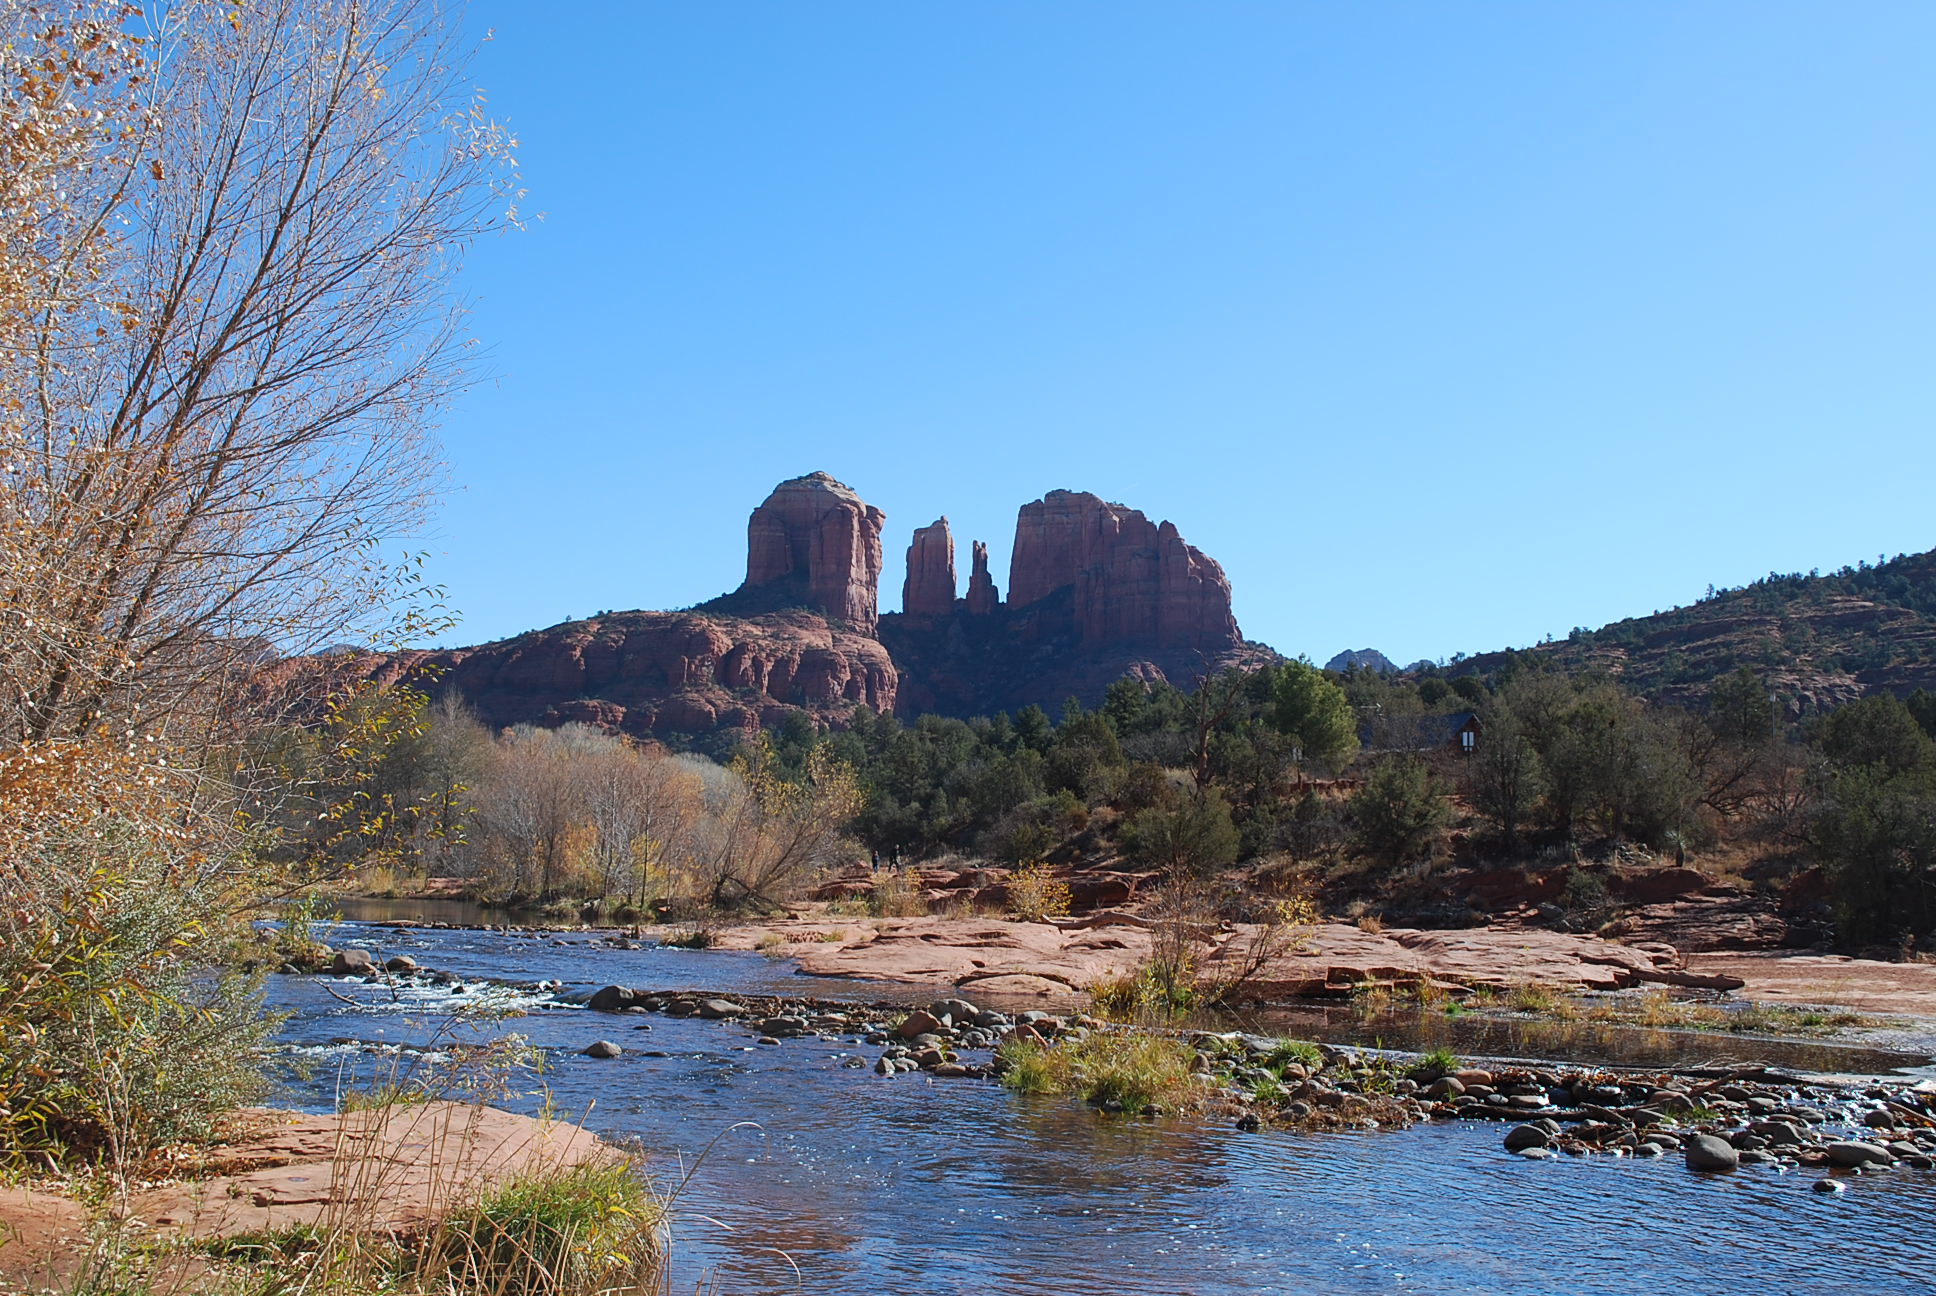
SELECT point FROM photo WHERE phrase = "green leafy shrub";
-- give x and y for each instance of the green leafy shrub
(1399, 811)
(1185, 835)
(126, 1027)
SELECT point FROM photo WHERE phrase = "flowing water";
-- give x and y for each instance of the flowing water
(915, 1185)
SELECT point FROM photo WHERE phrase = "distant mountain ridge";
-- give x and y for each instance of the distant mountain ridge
(1818, 640)
(1362, 659)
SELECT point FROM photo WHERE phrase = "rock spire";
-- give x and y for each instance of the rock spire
(930, 587)
(983, 598)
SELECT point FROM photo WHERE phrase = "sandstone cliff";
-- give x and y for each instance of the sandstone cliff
(663, 673)
(1096, 592)
(1134, 581)
(814, 543)
(983, 598)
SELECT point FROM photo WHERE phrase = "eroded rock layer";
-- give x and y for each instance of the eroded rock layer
(664, 673)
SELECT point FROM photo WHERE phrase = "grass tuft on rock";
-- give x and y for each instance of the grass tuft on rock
(1129, 1071)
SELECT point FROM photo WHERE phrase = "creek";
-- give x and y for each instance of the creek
(912, 1184)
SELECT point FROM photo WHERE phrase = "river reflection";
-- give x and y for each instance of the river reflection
(910, 1185)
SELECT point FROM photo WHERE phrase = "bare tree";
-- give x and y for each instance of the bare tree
(529, 808)
(226, 390)
(763, 832)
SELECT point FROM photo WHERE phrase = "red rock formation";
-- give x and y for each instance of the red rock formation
(1133, 580)
(817, 534)
(1099, 592)
(930, 587)
(982, 595)
(663, 672)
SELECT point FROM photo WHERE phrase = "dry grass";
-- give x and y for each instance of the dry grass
(897, 895)
(1533, 997)
(1119, 1070)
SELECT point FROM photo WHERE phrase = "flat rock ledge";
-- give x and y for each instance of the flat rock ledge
(394, 1169)
(1000, 956)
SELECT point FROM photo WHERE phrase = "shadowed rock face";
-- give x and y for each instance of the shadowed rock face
(982, 595)
(1096, 592)
(930, 587)
(1134, 581)
(816, 537)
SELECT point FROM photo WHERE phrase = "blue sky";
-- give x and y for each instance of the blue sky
(1442, 326)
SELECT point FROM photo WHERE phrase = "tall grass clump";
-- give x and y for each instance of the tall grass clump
(592, 1228)
(1130, 1071)
(1440, 1061)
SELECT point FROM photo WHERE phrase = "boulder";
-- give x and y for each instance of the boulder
(1709, 1153)
(400, 963)
(611, 999)
(1521, 1137)
(917, 1023)
(353, 962)
(602, 1049)
(1849, 1153)
(719, 1009)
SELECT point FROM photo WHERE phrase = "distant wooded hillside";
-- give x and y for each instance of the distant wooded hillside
(1817, 639)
